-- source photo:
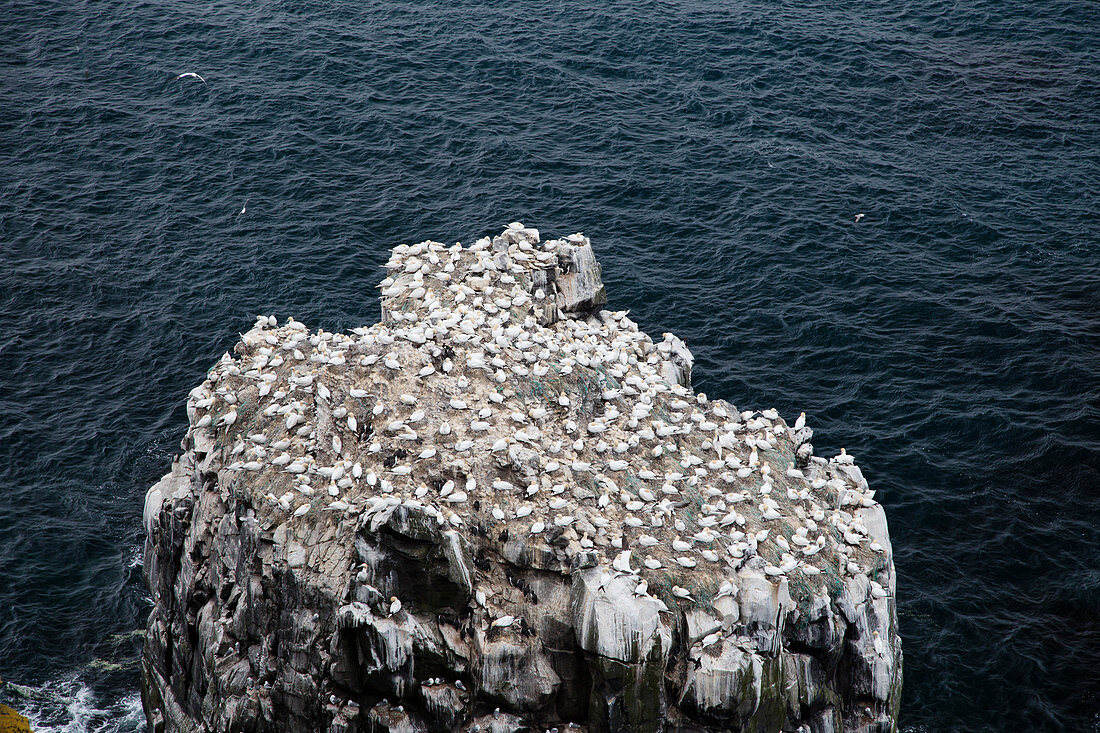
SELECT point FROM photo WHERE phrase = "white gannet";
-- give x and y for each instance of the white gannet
(190, 75)
(682, 593)
(622, 562)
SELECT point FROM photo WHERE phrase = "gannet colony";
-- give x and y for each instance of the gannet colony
(503, 508)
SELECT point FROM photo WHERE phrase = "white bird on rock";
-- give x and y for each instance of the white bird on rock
(682, 593)
(622, 562)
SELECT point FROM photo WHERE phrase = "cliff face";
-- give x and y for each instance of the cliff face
(502, 508)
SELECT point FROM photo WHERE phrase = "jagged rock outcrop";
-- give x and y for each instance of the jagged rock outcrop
(503, 508)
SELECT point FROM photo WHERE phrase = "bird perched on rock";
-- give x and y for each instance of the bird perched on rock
(622, 562)
(682, 593)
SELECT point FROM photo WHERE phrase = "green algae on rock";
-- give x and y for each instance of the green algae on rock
(13, 722)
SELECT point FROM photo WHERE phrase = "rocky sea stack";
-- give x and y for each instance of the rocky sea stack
(504, 508)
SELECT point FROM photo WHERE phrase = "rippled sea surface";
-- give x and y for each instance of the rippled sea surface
(716, 153)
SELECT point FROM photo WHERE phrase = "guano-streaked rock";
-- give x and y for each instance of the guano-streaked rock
(503, 508)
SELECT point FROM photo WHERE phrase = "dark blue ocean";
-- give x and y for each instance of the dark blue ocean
(716, 153)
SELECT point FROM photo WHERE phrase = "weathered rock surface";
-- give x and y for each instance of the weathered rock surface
(503, 509)
(13, 722)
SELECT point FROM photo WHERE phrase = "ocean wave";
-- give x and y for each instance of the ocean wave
(70, 704)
